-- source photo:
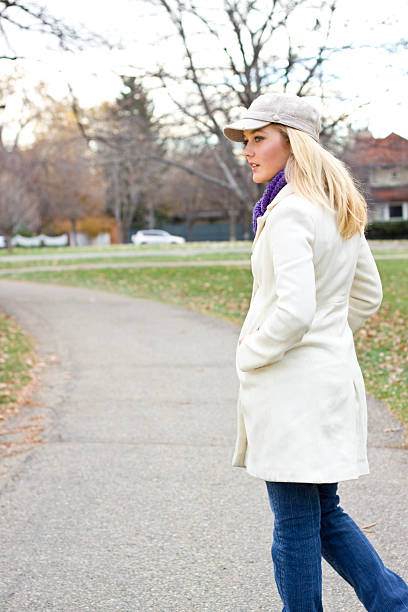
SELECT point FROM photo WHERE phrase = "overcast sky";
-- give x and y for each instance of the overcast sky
(377, 77)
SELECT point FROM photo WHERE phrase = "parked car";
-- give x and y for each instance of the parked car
(154, 236)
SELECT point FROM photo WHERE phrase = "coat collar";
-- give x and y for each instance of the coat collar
(285, 191)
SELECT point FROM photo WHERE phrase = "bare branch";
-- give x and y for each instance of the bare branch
(178, 22)
(192, 171)
(320, 56)
(28, 17)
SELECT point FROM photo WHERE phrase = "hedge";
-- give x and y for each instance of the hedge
(387, 230)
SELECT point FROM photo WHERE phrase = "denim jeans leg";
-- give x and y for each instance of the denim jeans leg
(352, 555)
(296, 548)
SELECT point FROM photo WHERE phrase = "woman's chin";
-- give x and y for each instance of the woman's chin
(259, 179)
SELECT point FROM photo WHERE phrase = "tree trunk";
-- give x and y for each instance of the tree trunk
(246, 218)
(150, 218)
(232, 216)
(74, 232)
(119, 230)
(9, 238)
(190, 228)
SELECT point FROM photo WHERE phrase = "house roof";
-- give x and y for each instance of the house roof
(389, 151)
(390, 194)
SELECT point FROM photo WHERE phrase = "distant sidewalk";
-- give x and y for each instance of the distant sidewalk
(135, 252)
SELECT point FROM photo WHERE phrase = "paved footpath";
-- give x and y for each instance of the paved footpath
(129, 502)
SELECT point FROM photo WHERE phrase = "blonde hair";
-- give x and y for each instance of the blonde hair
(319, 176)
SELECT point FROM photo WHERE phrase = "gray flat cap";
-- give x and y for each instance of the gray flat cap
(286, 109)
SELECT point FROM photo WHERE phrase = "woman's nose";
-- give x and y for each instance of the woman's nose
(247, 151)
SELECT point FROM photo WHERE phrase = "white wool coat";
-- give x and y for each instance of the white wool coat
(302, 413)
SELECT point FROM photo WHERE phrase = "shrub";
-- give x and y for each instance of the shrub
(387, 230)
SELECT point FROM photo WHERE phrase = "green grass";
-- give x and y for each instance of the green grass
(223, 291)
(16, 363)
(382, 345)
(389, 251)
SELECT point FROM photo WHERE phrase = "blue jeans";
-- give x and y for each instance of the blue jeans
(310, 523)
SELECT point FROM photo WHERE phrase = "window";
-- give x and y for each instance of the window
(396, 211)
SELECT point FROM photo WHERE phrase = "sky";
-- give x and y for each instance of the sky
(375, 79)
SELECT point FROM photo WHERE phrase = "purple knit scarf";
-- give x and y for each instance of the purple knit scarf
(270, 192)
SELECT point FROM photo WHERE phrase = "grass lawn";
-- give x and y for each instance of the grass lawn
(16, 362)
(225, 291)
(389, 251)
(382, 345)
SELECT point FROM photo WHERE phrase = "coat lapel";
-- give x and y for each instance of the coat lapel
(285, 191)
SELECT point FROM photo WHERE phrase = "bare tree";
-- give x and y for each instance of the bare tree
(184, 196)
(53, 178)
(67, 185)
(62, 174)
(18, 203)
(124, 137)
(21, 15)
(189, 197)
(256, 50)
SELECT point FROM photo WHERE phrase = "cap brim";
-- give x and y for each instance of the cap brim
(235, 131)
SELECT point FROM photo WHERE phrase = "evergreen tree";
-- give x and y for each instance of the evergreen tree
(133, 137)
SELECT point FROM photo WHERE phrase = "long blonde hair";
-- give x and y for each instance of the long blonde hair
(317, 175)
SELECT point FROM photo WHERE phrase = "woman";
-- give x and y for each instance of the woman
(302, 424)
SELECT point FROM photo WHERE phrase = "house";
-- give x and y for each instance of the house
(381, 164)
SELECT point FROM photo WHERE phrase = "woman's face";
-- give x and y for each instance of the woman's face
(267, 152)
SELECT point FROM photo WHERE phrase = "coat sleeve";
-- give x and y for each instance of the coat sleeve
(366, 291)
(291, 234)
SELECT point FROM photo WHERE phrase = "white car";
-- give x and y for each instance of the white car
(153, 236)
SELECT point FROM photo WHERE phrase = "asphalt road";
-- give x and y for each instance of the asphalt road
(123, 498)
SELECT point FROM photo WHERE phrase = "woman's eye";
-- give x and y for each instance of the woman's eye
(258, 138)
(244, 143)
